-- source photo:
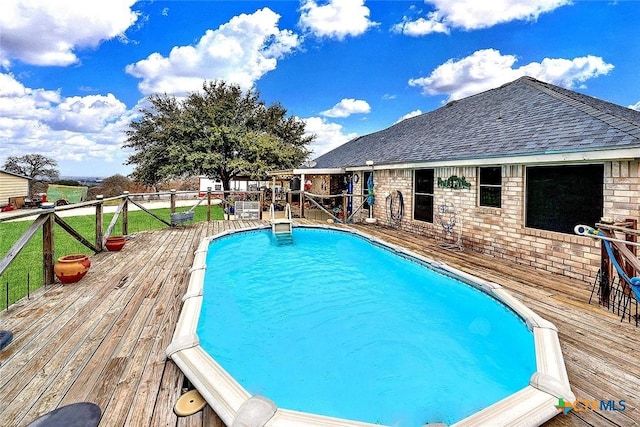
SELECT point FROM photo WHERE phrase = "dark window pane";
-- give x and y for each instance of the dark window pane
(560, 197)
(424, 181)
(491, 176)
(423, 210)
(491, 196)
(491, 187)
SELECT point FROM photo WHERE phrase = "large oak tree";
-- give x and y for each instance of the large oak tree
(39, 168)
(220, 132)
(34, 166)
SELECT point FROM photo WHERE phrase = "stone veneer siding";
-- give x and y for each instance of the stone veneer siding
(500, 231)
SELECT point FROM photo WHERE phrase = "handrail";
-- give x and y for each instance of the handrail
(287, 211)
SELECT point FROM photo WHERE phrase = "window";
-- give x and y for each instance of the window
(490, 187)
(423, 195)
(560, 197)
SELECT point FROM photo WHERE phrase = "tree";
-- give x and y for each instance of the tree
(220, 132)
(34, 166)
(150, 137)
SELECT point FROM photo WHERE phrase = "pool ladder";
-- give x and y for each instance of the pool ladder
(282, 228)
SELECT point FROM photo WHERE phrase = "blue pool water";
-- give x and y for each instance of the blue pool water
(337, 326)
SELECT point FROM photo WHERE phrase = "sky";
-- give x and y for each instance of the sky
(75, 73)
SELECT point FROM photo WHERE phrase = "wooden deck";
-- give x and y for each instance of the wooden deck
(103, 339)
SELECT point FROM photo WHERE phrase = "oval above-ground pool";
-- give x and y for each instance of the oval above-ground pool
(342, 329)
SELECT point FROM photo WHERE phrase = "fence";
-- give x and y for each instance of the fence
(31, 241)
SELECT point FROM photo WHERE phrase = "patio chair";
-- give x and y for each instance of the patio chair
(448, 219)
(81, 414)
(5, 338)
(632, 282)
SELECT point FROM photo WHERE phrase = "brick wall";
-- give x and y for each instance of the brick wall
(501, 231)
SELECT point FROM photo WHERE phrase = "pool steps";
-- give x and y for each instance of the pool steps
(281, 226)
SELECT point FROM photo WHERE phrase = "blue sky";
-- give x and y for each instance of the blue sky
(73, 74)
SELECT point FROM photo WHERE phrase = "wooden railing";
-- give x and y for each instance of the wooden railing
(45, 220)
(339, 212)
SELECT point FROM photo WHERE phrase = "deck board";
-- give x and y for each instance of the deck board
(104, 338)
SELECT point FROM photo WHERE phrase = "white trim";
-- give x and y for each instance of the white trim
(324, 171)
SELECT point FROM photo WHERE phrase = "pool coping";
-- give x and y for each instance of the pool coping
(530, 406)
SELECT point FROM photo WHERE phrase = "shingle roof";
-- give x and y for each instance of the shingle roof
(524, 117)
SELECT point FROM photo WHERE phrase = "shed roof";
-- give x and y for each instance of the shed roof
(523, 118)
(13, 174)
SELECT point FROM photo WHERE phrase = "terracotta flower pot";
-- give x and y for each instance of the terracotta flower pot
(115, 243)
(71, 268)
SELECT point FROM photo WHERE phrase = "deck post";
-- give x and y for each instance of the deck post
(301, 196)
(125, 214)
(208, 204)
(99, 211)
(345, 214)
(48, 248)
(261, 204)
(631, 237)
(172, 201)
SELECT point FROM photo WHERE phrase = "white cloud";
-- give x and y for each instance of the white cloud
(488, 68)
(336, 18)
(421, 26)
(474, 14)
(413, 113)
(240, 51)
(347, 107)
(74, 128)
(328, 135)
(48, 32)
(635, 106)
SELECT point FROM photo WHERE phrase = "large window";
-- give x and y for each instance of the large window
(560, 197)
(490, 188)
(423, 195)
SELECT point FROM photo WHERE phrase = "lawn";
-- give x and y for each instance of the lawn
(25, 274)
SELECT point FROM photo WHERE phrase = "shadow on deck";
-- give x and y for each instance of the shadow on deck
(103, 339)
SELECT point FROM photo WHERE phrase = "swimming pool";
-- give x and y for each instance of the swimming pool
(524, 382)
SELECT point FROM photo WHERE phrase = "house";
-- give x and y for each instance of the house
(14, 189)
(514, 168)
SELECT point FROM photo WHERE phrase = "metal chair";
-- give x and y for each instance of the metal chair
(447, 218)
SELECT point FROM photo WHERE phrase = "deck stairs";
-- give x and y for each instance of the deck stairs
(282, 227)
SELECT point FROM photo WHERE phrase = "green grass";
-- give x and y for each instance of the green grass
(25, 274)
